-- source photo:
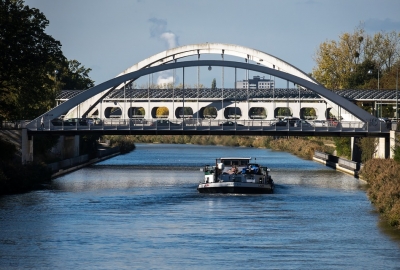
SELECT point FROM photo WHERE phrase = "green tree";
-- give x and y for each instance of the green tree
(343, 146)
(283, 111)
(210, 111)
(74, 76)
(368, 148)
(214, 84)
(28, 57)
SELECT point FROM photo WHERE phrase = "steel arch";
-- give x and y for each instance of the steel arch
(350, 107)
(257, 56)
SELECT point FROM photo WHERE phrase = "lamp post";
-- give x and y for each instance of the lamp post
(55, 78)
(397, 96)
(370, 73)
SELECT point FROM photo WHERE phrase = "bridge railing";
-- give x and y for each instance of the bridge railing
(202, 124)
(18, 124)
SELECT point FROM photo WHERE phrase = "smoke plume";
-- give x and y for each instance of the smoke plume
(158, 30)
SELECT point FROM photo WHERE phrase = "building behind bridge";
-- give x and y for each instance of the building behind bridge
(256, 83)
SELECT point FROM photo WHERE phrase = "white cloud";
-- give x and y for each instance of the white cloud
(170, 38)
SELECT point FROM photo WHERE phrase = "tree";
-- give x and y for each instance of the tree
(73, 76)
(162, 111)
(343, 146)
(368, 148)
(214, 84)
(210, 111)
(28, 57)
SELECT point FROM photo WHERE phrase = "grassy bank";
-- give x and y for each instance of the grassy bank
(383, 177)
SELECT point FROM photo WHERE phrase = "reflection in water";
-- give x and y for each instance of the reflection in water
(142, 211)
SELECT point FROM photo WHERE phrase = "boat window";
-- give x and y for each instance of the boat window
(244, 162)
(235, 162)
(227, 162)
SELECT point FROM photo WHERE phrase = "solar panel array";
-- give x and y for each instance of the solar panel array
(232, 94)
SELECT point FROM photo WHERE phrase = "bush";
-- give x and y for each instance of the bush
(396, 154)
(125, 143)
(383, 177)
(17, 178)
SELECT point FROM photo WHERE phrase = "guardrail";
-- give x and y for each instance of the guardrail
(348, 164)
(321, 155)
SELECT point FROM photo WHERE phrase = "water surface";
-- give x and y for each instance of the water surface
(142, 211)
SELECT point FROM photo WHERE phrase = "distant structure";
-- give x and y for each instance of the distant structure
(256, 83)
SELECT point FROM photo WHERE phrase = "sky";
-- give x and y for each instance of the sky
(109, 36)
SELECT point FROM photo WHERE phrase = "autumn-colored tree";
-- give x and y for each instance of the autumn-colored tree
(162, 111)
(345, 63)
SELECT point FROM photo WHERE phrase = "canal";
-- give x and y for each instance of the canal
(142, 211)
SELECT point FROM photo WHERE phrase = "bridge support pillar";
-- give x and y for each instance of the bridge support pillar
(392, 143)
(70, 146)
(76, 146)
(383, 148)
(27, 147)
(355, 149)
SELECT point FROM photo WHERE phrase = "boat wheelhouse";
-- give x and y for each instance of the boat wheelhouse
(236, 175)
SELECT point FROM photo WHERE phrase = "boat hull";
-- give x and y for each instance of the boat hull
(236, 188)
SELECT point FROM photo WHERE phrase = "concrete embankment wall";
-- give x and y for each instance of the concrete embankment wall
(68, 165)
(340, 164)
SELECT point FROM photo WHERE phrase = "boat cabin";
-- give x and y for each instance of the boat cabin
(235, 166)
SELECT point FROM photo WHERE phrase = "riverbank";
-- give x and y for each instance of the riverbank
(69, 165)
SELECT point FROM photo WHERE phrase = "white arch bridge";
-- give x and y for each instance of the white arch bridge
(352, 121)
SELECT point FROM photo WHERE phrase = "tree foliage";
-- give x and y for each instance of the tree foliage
(162, 111)
(214, 84)
(74, 76)
(210, 111)
(345, 63)
(343, 146)
(28, 57)
(368, 148)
